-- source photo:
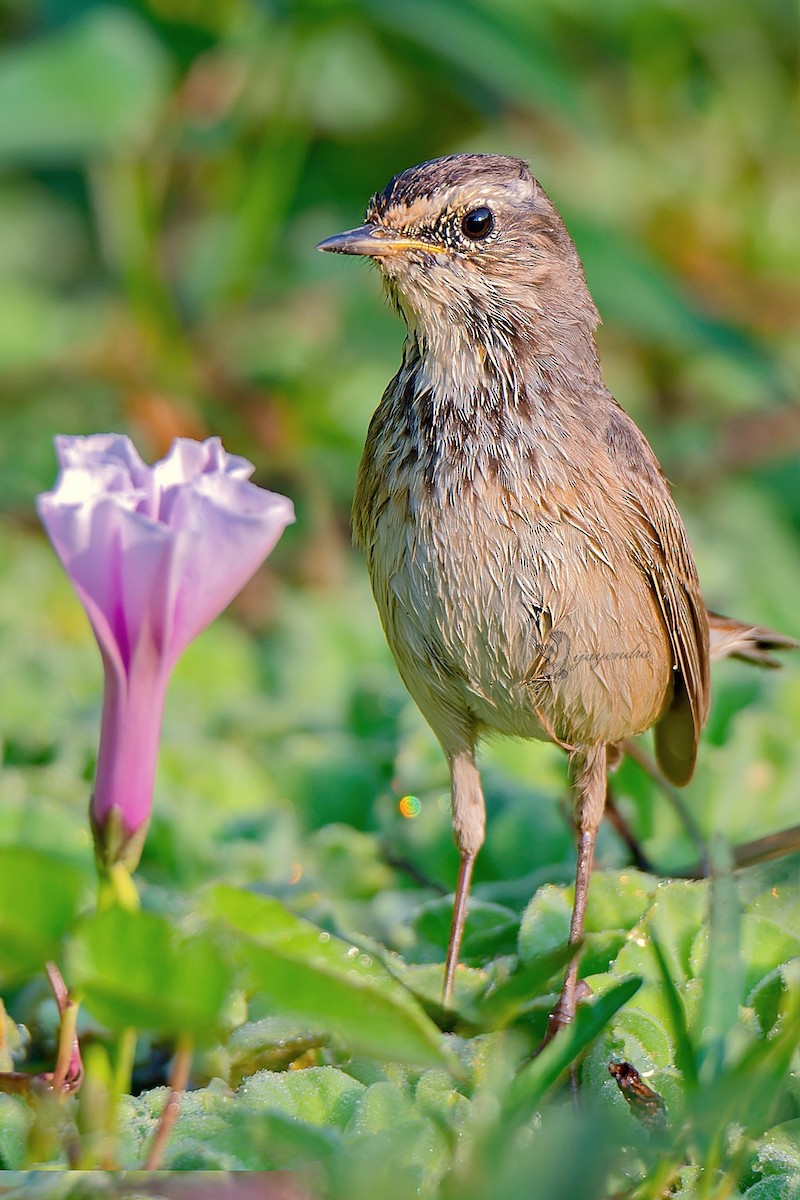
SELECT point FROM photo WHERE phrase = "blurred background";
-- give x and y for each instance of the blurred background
(166, 168)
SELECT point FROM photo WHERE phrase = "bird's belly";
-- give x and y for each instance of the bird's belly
(518, 627)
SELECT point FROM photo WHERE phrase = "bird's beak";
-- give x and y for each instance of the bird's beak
(373, 241)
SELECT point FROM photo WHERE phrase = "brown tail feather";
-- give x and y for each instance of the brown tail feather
(734, 639)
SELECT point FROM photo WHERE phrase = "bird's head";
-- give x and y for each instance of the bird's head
(472, 246)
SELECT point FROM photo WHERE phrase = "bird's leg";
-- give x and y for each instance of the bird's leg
(469, 825)
(457, 924)
(589, 772)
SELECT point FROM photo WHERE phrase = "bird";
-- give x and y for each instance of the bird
(530, 568)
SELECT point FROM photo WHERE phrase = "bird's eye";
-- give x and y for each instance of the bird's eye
(478, 224)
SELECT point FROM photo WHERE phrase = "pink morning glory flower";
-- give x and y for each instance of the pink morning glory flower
(155, 554)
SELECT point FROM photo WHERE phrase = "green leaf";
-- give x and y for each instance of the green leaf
(685, 1059)
(722, 977)
(15, 1120)
(562, 1155)
(272, 1043)
(535, 1080)
(778, 1161)
(316, 1095)
(490, 929)
(136, 969)
(424, 982)
(514, 60)
(645, 1041)
(750, 1092)
(545, 922)
(503, 1002)
(93, 88)
(774, 1187)
(388, 1114)
(630, 286)
(617, 902)
(770, 932)
(331, 986)
(257, 1128)
(768, 997)
(39, 899)
(618, 899)
(678, 911)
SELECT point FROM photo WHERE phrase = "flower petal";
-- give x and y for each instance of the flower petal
(126, 762)
(101, 448)
(229, 527)
(187, 460)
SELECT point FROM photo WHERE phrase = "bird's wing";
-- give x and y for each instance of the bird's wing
(661, 551)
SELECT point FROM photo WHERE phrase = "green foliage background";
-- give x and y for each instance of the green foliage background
(166, 168)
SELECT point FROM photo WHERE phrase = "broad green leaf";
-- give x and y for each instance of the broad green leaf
(490, 929)
(617, 901)
(39, 900)
(316, 1095)
(266, 1140)
(424, 981)
(319, 1117)
(367, 1017)
(390, 1116)
(641, 1030)
(92, 88)
(562, 1154)
(266, 921)
(351, 861)
(332, 987)
(777, 1160)
(435, 1096)
(137, 969)
(241, 1132)
(679, 909)
(770, 932)
(272, 1043)
(545, 922)
(774, 1187)
(15, 1121)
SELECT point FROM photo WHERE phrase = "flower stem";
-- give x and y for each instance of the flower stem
(123, 1067)
(116, 889)
(179, 1077)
